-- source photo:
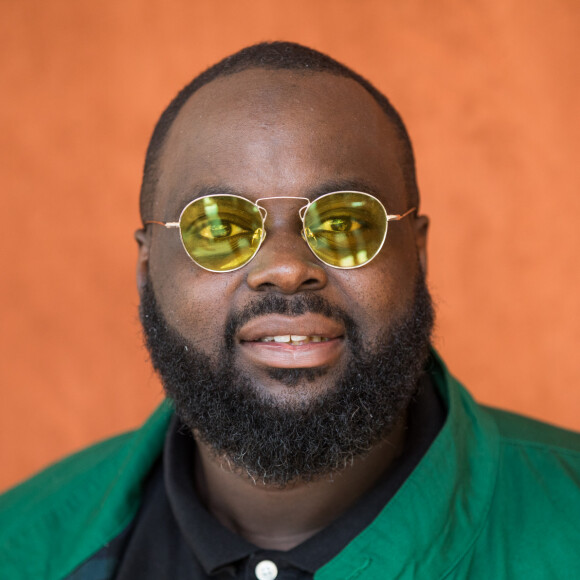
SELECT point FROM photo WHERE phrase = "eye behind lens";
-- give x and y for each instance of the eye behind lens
(219, 232)
(345, 229)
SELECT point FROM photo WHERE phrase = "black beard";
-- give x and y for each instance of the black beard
(280, 442)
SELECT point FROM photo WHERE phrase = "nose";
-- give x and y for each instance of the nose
(285, 264)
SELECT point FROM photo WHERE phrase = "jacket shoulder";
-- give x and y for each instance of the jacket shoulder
(518, 429)
(56, 520)
(45, 489)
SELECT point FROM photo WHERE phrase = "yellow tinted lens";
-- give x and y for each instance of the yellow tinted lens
(346, 229)
(221, 232)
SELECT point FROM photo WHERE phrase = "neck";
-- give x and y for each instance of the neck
(277, 518)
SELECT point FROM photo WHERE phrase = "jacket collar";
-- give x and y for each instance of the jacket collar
(434, 518)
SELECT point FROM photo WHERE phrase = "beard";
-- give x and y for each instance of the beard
(279, 442)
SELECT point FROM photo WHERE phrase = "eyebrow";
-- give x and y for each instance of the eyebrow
(208, 190)
(328, 186)
(180, 200)
(341, 185)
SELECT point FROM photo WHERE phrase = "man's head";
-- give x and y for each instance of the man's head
(269, 56)
(284, 411)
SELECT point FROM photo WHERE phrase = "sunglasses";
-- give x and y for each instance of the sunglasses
(343, 229)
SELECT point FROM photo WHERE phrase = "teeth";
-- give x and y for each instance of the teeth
(294, 339)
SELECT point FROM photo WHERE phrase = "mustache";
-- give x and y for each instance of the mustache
(287, 306)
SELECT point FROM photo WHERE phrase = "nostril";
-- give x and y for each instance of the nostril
(311, 282)
(266, 286)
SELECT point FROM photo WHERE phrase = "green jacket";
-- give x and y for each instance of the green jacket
(497, 496)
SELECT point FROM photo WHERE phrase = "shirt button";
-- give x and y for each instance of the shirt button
(266, 570)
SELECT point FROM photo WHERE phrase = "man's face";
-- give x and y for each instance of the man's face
(262, 134)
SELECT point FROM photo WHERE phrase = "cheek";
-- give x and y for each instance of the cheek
(193, 301)
(382, 290)
(371, 302)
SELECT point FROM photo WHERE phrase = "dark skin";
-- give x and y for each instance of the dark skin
(278, 133)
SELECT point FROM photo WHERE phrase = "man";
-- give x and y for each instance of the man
(315, 431)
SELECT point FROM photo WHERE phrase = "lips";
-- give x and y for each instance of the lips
(306, 341)
(277, 325)
(294, 339)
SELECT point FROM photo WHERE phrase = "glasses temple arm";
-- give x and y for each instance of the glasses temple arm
(397, 217)
(164, 224)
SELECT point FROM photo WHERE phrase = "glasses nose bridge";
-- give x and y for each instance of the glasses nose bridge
(264, 211)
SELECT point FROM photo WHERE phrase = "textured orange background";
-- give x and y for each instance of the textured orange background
(489, 90)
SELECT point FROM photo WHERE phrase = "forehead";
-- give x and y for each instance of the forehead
(263, 133)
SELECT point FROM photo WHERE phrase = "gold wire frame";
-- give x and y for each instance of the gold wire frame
(301, 212)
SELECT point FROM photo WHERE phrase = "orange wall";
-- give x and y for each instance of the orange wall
(489, 90)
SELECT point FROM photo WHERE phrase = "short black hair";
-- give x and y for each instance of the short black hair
(272, 56)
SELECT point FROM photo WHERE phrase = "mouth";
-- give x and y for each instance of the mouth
(294, 340)
(306, 341)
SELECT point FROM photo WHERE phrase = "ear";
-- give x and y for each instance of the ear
(143, 241)
(421, 226)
